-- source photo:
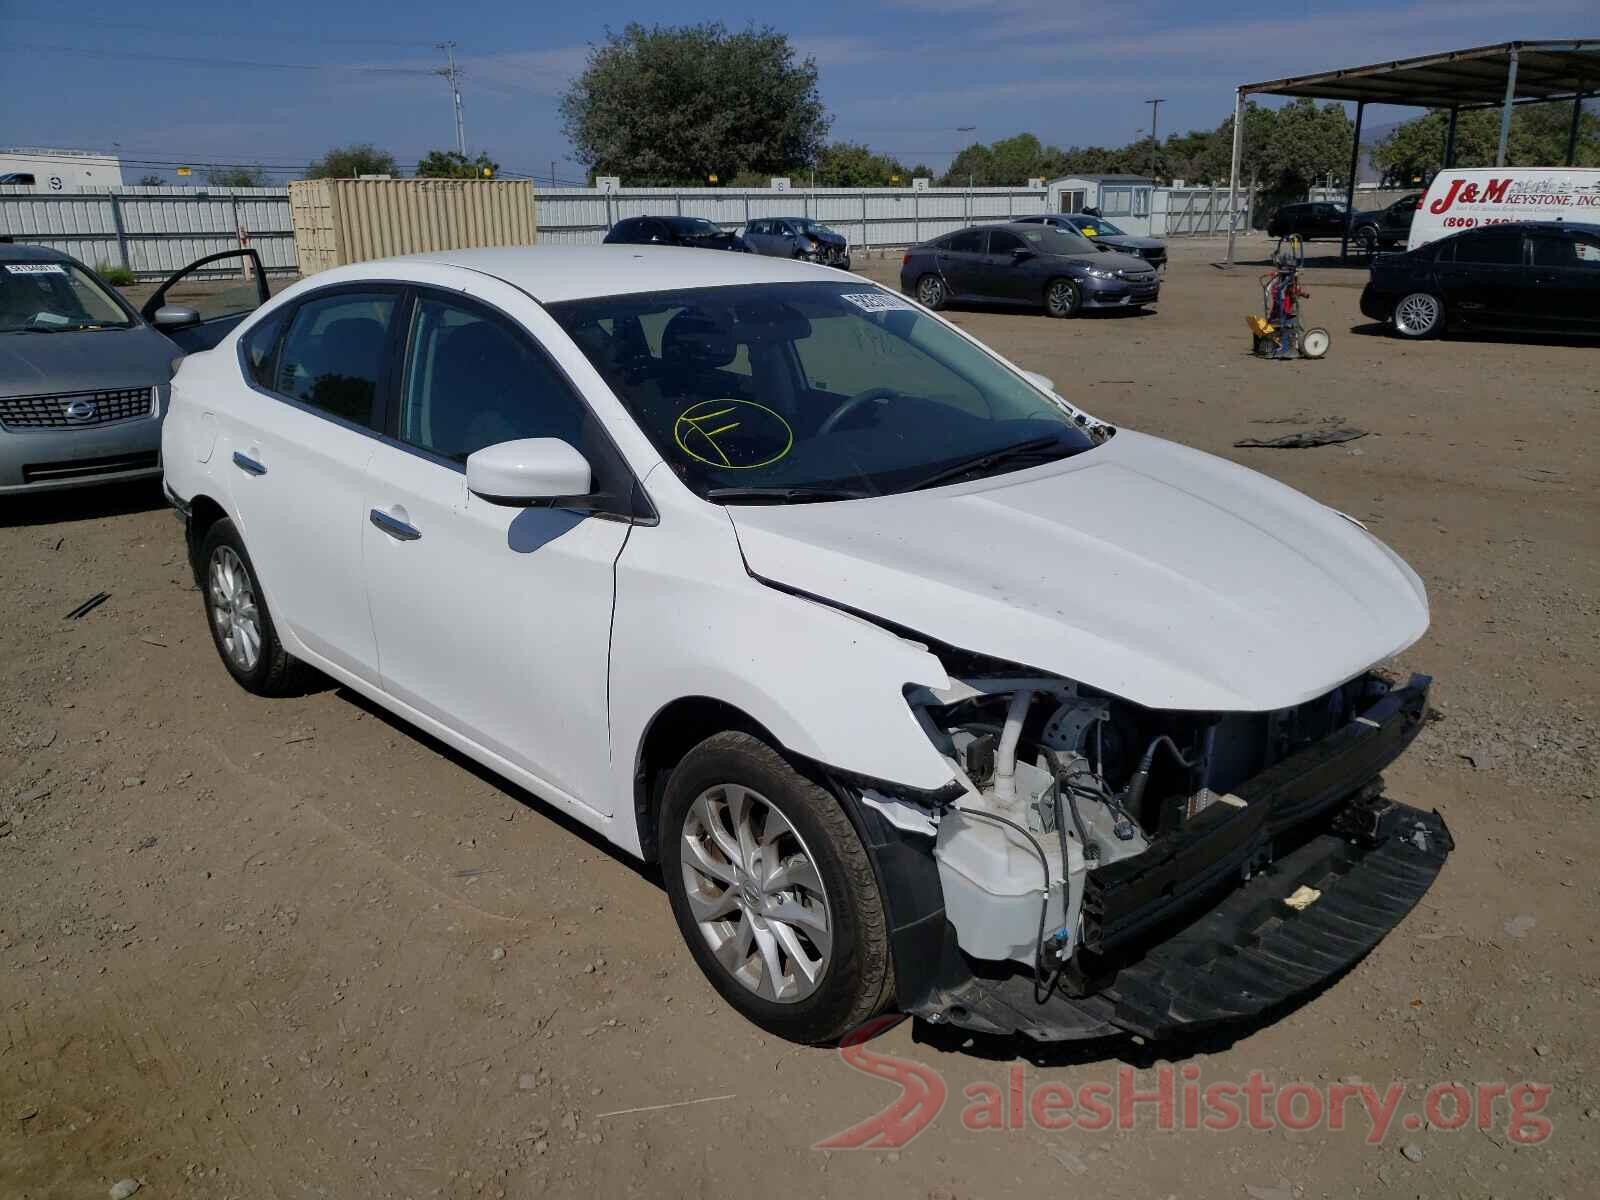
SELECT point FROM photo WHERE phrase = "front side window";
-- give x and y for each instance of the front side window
(55, 297)
(1572, 250)
(1004, 242)
(472, 381)
(846, 388)
(332, 355)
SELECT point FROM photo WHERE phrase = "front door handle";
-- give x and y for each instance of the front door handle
(247, 464)
(394, 527)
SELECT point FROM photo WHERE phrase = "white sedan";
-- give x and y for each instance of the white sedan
(924, 688)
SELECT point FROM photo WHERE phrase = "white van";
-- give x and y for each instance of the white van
(1458, 200)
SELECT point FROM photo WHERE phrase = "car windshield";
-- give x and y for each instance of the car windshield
(807, 225)
(1052, 239)
(1094, 225)
(812, 391)
(695, 226)
(55, 297)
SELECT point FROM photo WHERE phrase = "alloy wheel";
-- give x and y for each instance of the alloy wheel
(930, 292)
(755, 893)
(233, 608)
(1418, 314)
(1062, 298)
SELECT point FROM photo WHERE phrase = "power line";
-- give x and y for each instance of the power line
(231, 63)
(255, 31)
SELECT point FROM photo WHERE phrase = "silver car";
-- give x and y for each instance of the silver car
(83, 377)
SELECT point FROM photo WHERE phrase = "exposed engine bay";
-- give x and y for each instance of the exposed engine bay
(1087, 820)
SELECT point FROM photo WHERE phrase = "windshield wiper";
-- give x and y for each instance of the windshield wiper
(991, 458)
(782, 495)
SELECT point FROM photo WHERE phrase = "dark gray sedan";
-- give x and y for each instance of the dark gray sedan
(1026, 264)
(83, 377)
(1106, 235)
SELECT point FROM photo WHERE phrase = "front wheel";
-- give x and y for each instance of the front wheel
(1062, 298)
(1314, 343)
(1419, 315)
(931, 292)
(773, 891)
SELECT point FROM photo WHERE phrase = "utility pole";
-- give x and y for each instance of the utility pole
(452, 76)
(1155, 107)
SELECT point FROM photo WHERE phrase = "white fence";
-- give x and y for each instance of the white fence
(152, 231)
(155, 231)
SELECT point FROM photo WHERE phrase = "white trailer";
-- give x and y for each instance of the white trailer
(59, 170)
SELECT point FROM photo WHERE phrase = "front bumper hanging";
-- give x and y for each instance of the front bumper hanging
(1245, 909)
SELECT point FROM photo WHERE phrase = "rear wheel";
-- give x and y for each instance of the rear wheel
(1419, 315)
(241, 626)
(773, 891)
(931, 292)
(1367, 239)
(1062, 298)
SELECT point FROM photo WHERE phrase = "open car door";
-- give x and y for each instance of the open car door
(202, 303)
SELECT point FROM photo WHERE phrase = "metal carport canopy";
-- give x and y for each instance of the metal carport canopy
(1458, 80)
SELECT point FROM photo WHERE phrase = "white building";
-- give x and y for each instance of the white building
(1124, 199)
(59, 170)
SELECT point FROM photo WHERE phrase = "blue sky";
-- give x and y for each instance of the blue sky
(168, 82)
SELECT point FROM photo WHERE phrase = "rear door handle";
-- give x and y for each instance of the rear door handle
(394, 527)
(247, 464)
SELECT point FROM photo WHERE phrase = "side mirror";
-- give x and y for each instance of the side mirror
(1040, 381)
(528, 471)
(174, 316)
(1021, 254)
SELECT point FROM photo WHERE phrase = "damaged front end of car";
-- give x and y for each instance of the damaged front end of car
(1102, 867)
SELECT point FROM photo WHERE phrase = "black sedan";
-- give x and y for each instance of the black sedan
(1527, 276)
(674, 231)
(1026, 265)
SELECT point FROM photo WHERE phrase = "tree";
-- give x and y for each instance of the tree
(849, 164)
(1413, 151)
(452, 164)
(152, 181)
(674, 105)
(236, 176)
(347, 162)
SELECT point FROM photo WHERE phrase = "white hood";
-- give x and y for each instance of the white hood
(1156, 573)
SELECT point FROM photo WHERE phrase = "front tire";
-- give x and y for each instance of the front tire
(1419, 315)
(241, 625)
(1062, 298)
(932, 293)
(773, 891)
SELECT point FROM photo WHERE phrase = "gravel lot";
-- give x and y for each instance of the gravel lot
(291, 948)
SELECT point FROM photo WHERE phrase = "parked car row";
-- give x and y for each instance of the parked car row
(1328, 220)
(781, 237)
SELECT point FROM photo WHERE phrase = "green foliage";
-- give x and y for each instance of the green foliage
(236, 177)
(452, 164)
(347, 162)
(676, 104)
(152, 181)
(1410, 153)
(115, 276)
(849, 164)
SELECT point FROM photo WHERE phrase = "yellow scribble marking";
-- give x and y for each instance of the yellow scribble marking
(691, 421)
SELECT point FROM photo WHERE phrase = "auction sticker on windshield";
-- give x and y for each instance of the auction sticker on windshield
(35, 269)
(874, 301)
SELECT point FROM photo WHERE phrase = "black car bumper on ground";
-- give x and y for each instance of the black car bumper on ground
(1376, 305)
(1118, 293)
(1243, 910)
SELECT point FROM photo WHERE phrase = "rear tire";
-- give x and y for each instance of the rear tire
(773, 891)
(932, 293)
(1419, 315)
(241, 625)
(1367, 239)
(1062, 298)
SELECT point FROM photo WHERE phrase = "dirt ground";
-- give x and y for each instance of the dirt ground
(291, 948)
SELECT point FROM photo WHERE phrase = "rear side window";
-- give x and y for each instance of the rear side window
(1494, 247)
(969, 241)
(261, 349)
(332, 356)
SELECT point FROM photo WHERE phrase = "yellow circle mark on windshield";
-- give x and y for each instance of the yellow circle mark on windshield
(732, 435)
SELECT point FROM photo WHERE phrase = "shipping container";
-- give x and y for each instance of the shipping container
(340, 221)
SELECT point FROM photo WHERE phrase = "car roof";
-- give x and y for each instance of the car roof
(1531, 226)
(552, 274)
(14, 252)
